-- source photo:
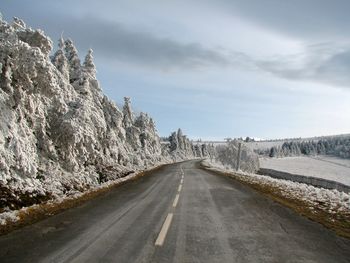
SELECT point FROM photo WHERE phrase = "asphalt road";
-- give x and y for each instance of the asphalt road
(209, 218)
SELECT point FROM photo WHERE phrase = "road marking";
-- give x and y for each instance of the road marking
(164, 230)
(176, 200)
(182, 171)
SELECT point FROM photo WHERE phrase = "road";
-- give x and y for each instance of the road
(177, 214)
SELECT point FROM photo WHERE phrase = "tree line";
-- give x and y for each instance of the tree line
(336, 146)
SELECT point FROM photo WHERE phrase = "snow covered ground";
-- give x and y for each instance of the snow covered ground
(325, 167)
(331, 201)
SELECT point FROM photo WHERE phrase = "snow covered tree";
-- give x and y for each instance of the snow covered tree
(18, 23)
(197, 150)
(142, 121)
(6, 77)
(174, 143)
(228, 153)
(128, 116)
(273, 152)
(180, 138)
(152, 126)
(89, 66)
(60, 61)
(73, 61)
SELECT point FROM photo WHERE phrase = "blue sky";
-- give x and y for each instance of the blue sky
(266, 69)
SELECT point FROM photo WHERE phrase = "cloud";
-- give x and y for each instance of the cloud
(322, 63)
(306, 19)
(325, 63)
(116, 42)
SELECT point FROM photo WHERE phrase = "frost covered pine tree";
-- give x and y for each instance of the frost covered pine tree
(89, 65)
(142, 122)
(128, 116)
(18, 23)
(152, 126)
(60, 61)
(180, 138)
(73, 61)
(89, 74)
(6, 77)
(174, 143)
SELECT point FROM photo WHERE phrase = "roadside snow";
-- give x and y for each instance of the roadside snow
(325, 167)
(11, 216)
(332, 201)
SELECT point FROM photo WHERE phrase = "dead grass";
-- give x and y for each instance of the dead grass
(338, 222)
(46, 209)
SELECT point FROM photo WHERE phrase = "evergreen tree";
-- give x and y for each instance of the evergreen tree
(128, 116)
(73, 61)
(89, 66)
(18, 23)
(60, 61)
(6, 77)
(180, 139)
(273, 152)
(174, 143)
(152, 126)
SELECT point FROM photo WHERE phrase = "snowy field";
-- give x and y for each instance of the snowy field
(333, 201)
(331, 168)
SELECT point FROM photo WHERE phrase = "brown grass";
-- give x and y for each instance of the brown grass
(46, 209)
(338, 222)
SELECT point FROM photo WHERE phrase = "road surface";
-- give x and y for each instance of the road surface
(178, 214)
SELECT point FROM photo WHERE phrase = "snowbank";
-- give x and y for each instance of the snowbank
(331, 201)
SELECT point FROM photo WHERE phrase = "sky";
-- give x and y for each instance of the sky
(221, 68)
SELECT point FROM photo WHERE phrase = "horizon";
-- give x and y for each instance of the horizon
(201, 68)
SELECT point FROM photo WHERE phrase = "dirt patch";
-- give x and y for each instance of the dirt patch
(338, 222)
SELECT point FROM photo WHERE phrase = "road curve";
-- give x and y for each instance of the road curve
(178, 214)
